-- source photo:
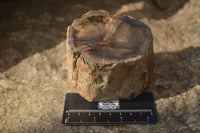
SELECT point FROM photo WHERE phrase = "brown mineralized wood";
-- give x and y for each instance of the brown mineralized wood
(109, 57)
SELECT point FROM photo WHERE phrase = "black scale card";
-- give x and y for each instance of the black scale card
(140, 110)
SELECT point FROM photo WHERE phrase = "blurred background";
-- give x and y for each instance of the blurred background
(30, 27)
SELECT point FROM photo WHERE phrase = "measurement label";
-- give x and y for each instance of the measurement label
(78, 111)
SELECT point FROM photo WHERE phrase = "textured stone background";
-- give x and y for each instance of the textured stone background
(33, 75)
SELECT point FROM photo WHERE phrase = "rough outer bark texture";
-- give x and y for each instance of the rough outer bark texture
(103, 67)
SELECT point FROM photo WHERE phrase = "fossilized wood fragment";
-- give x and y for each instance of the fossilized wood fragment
(109, 57)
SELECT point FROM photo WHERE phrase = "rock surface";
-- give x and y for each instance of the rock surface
(109, 57)
(33, 75)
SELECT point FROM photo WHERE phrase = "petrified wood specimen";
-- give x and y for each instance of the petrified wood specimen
(109, 57)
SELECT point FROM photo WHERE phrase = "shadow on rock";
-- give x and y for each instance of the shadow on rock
(146, 9)
(176, 72)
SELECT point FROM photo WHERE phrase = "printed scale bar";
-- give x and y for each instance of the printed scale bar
(140, 110)
(105, 111)
(116, 122)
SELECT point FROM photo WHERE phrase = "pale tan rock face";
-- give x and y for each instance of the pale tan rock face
(109, 57)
